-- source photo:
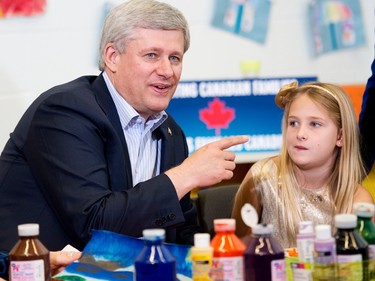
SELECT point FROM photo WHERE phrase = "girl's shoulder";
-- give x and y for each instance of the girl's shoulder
(266, 164)
(362, 195)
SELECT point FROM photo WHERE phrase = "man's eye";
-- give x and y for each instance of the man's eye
(151, 55)
(175, 58)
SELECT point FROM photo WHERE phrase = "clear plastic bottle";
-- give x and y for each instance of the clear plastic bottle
(201, 257)
(365, 227)
(228, 261)
(305, 242)
(324, 254)
(29, 258)
(351, 249)
(264, 257)
(155, 262)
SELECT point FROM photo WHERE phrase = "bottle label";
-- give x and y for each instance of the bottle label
(305, 250)
(228, 269)
(371, 252)
(201, 264)
(350, 267)
(27, 270)
(371, 266)
(278, 270)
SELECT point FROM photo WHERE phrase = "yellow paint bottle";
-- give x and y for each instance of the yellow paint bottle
(201, 257)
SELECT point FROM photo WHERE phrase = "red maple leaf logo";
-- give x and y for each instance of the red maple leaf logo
(217, 116)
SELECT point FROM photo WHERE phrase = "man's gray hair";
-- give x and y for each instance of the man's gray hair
(123, 19)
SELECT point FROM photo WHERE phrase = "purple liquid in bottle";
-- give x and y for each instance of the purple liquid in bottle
(264, 257)
(324, 254)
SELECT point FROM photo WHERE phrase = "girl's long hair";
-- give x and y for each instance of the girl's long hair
(348, 170)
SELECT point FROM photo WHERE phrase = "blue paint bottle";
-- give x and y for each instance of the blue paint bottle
(155, 262)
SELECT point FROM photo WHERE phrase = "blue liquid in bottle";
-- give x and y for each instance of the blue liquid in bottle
(155, 262)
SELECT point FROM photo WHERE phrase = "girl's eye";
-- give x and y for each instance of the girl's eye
(293, 123)
(315, 124)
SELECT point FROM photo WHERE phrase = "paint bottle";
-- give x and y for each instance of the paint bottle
(155, 262)
(29, 258)
(228, 257)
(305, 242)
(264, 256)
(324, 254)
(365, 227)
(201, 257)
(351, 249)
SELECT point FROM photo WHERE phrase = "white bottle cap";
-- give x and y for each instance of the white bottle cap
(323, 232)
(224, 224)
(28, 229)
(264, 229)
(202, 240)
(366, 210)
(153, 234)
(306, 227)
(346, 221)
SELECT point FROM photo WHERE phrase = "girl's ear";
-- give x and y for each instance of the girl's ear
(339, 141)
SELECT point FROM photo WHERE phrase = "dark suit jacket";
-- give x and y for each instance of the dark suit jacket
(367, 121)
(66, 166)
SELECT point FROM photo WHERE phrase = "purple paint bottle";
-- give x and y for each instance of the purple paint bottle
(264, 256)
(324, 254)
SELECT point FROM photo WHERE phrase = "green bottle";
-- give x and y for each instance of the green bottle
(365, 226)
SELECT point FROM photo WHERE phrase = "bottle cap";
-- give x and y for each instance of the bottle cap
(154, 234)
(262, 229)
(202, 240)
(366, 210)
(306, 227)
(323, 232)
(28, 229)
(224, 224)
(346, 221)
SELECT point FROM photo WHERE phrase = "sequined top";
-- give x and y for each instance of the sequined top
(315, 204)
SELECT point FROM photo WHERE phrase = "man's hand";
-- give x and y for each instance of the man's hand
(207, 166)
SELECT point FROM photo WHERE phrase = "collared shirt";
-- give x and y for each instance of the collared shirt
(144, 149)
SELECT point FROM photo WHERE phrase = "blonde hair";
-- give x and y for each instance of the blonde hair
(348, 169)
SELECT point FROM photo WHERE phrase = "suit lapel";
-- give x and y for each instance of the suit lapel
(105, 101)
(165, 133)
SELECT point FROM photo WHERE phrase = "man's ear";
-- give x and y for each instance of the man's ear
(110, 57)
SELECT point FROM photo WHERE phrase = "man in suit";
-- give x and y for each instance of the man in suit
(366, 127)
(101, 152)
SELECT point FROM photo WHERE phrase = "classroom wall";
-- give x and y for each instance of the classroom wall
(39, 52)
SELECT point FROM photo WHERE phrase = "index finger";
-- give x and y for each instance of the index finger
(231, 141)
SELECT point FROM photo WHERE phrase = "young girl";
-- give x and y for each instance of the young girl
(319, 169)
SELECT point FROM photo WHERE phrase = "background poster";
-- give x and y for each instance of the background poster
(248, 18)
(10, 8)
(336, 25)
(211, 109)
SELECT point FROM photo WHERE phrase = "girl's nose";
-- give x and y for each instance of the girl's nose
(301, 134)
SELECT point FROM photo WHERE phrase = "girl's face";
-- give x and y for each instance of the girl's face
(311, 135)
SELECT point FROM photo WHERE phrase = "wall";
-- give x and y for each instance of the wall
(39, 52)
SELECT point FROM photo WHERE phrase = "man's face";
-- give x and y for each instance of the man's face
(148, 72)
